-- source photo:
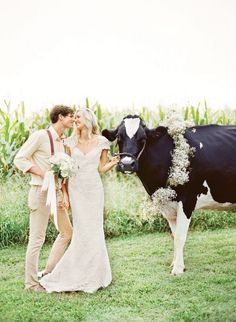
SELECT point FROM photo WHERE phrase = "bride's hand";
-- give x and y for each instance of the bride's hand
(115, 159)
(65, 204)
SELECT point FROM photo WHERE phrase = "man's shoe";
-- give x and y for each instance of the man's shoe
(38, 288)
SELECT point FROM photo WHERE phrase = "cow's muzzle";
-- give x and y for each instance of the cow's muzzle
(128, 163)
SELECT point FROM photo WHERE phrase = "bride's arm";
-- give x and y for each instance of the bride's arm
(106, 165)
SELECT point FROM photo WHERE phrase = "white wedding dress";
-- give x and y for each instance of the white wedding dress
(85, 265)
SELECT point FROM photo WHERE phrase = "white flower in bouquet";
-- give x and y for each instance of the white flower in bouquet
(62, 165)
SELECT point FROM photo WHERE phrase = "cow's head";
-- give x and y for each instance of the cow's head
(132, 136)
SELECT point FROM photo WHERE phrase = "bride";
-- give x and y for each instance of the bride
(85, 265)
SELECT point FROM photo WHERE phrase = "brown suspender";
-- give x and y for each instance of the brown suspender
(51, 142)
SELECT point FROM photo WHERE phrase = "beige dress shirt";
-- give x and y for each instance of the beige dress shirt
(36, 151)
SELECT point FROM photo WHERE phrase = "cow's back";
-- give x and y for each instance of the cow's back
(214, 159)
(215, 145)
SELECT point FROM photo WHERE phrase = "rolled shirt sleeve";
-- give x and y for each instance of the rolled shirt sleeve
(36, 151)
(23, 159)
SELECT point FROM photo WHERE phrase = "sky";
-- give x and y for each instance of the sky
(120, 53)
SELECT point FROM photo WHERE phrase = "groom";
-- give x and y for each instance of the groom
(33, 158)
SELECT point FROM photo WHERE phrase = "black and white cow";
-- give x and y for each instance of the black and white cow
(212, 170)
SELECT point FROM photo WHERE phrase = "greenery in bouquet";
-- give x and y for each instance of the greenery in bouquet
(62, 165)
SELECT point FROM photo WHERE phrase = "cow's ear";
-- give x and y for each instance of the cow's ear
(157, 132)
(110, 135)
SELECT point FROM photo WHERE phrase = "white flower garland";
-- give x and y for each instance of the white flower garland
(178, 172)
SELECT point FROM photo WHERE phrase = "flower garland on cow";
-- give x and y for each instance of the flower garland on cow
(178, 173)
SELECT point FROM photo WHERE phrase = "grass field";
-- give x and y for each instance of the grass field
(124, 196)
(142, 288)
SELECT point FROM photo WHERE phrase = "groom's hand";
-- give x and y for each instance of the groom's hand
(37, 171)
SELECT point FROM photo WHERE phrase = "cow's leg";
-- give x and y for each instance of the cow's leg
(182, 225)
(170, 215)
(172, 224)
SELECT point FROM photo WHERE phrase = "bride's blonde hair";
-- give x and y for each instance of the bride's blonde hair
(90, 121)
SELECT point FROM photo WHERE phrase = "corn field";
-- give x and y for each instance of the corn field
(15, 127)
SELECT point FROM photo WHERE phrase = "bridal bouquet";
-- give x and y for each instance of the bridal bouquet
(62, 167)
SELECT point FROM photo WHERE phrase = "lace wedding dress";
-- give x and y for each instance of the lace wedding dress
(85, 265)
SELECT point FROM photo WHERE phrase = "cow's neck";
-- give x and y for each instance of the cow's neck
(154, 163)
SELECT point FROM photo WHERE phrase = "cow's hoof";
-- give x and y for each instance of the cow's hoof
(177, 270)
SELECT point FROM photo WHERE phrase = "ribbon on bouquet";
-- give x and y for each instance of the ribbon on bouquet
(50, 186)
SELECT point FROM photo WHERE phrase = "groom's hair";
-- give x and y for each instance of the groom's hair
(60, 109)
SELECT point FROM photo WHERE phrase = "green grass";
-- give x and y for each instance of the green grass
(142, 288)
(124, 196)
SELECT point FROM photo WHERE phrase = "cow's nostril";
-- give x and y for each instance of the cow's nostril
(132, 163)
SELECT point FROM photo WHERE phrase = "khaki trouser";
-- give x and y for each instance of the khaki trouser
(39, 217)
